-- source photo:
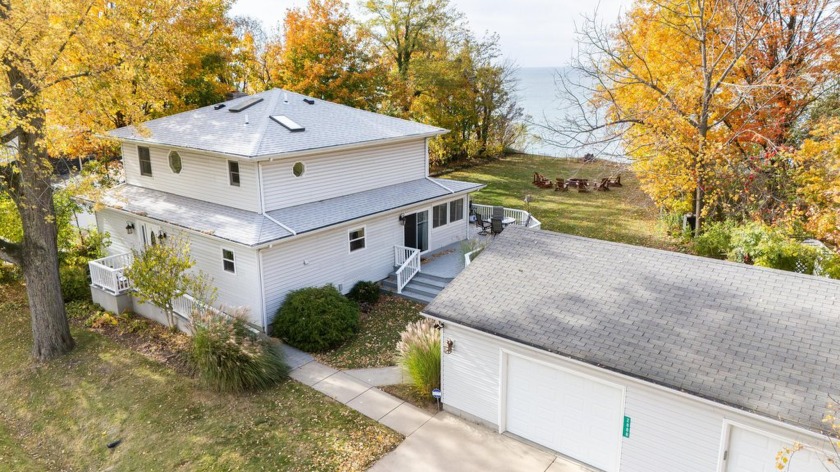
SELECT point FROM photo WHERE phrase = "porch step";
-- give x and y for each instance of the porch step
(423, 288)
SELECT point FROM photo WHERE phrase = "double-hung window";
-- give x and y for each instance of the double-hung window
(145, 161)
(357, 239)
(456, 210)
(439, 215)
(228, 261)
(233, 173)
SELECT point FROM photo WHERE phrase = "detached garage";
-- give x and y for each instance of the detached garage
(633, 359)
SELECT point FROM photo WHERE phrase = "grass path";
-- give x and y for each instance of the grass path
(623, 214)
(63, 414)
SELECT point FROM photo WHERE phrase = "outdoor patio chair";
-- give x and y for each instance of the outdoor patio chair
(482, 225)
(561, 185)
(498, 212)
(615, 181)
(496, 225)
(604, 186)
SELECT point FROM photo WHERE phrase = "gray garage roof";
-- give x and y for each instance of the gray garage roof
(757, 339)
(253, 229)
(326, 125)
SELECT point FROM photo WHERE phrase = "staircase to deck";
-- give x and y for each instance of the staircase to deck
(422, 288)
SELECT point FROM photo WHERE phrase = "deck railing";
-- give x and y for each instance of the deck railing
(107, 273)
(521, 217)
(408, 261)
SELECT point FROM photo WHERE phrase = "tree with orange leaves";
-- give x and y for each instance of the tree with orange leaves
(695, 90)
(324, 54)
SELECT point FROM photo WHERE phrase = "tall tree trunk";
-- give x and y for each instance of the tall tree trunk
(33, 196)
(39, 255)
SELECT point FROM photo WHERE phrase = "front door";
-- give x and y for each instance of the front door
(417, 230)
(150, 234)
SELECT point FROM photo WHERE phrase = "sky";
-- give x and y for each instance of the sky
(533, 33)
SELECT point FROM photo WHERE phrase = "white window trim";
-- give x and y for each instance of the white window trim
(449, 219)
(445, 220)
(238, 174)
(229, 260)
(364, 238)
(151, 173)
(180, 161)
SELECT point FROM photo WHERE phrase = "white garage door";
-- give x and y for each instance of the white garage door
(574, 415)
(750, 451)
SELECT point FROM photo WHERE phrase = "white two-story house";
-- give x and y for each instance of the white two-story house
(275, 192)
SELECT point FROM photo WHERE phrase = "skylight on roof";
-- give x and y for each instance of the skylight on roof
(245, 104)
(287, 123)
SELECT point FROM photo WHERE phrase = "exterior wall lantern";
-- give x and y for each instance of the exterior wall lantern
(402, 219)
(448, 345)
(129, 228)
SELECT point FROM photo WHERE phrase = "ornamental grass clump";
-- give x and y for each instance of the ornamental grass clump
(229, 357)
(419, 354)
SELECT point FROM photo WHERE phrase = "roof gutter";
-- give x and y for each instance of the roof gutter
(294, 233)
(282, 155)
(648, 383)
(270, 244)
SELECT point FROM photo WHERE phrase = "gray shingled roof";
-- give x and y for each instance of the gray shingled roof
(311, 216)
(327, 125)
(253, 229)
(757, 339)
(240, 226)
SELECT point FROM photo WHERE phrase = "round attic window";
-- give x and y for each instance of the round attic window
(175, 162)
(298, 169)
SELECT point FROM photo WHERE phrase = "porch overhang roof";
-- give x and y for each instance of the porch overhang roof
(255, 229)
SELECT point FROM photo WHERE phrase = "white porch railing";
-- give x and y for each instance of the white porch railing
(408, 261)
(107, 273)
(521, 217)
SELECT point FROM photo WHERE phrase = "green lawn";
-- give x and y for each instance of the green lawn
(379, 331)
(64, 414)
(623, 214)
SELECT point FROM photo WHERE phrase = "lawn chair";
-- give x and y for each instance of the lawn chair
(561, 185)
(616, 181)
(498, 212)
(482, 225)
(604, 186)
(496, 226)
(542, 181)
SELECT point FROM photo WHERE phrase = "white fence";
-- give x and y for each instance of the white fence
(107, 273)
(521, 217)
(408, 261)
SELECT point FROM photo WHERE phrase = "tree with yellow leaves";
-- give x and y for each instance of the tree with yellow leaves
(693, 89)
(75, 68)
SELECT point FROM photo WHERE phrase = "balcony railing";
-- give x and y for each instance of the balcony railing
(521, 217)
(107, 273)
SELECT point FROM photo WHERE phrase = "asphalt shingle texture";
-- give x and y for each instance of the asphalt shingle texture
(327, 125)
(311, 216)
(241, 226)
(758, 339)
(252, 229)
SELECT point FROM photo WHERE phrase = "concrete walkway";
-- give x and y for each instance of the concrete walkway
(439, 442)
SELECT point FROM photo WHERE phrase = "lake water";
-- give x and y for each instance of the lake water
(540, 100)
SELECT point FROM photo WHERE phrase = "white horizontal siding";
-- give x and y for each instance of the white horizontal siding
(241, 289)
(202, 177)
(669, 431)
(470, 375)
(325, 258)
(335, 174)
(113, 224)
